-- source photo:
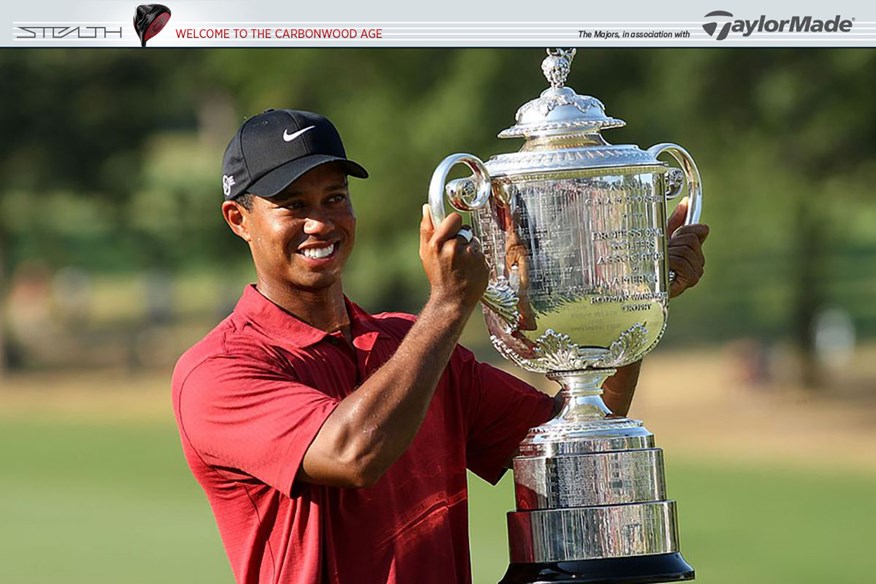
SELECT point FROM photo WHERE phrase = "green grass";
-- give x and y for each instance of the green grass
(114, 503)
(102, 504)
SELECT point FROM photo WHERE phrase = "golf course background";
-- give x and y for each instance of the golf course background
(94, 488)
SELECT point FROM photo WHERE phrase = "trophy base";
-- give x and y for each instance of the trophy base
(628, 570)
(591, 499)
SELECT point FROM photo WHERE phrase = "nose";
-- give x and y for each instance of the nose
(318, 225)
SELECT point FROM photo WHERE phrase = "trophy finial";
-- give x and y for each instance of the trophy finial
(559, 111)
(556, 66)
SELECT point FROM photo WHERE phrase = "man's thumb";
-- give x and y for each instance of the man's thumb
(678, 216)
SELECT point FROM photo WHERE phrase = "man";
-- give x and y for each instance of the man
(333, 444)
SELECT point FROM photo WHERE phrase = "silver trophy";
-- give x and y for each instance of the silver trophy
(574, 232)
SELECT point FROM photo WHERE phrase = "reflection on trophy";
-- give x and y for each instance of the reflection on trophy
(574, 232)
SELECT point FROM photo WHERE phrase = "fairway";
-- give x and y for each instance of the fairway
(86, 501)
(102, 503)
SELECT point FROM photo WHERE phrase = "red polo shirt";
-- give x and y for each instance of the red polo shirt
(250, 397)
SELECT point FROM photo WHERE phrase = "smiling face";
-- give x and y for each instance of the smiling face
(301, 238)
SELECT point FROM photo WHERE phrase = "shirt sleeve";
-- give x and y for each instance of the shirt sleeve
(500, 410)
(243, 415)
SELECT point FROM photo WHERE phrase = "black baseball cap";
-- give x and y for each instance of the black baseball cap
(276, 147)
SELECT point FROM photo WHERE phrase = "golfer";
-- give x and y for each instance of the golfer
(333, 444)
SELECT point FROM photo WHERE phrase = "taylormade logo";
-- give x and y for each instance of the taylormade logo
(723, 25)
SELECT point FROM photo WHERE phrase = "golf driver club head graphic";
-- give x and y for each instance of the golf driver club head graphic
(149, 19)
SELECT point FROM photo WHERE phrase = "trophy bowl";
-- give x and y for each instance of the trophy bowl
(573, 230)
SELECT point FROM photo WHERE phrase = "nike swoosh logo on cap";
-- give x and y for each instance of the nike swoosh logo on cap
(289, 137)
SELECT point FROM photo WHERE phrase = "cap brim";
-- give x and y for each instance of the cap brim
(281, 177)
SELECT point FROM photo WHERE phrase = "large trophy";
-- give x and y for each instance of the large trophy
(574, 232)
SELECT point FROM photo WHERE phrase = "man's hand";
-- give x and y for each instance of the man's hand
(685, 250)
(456, 269)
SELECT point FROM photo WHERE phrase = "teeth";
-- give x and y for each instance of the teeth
(318, 252)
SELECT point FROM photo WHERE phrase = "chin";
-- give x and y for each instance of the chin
(316, 284)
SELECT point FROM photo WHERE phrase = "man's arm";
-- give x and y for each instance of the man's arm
(373, 426)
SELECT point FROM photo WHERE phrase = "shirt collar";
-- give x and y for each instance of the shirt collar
(284, 327)
(364, 327)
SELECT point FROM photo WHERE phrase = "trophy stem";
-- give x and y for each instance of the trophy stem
(582, 395)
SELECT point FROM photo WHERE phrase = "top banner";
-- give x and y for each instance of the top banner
(453, 23)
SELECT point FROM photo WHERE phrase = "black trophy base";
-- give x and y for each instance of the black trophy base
(629, 570)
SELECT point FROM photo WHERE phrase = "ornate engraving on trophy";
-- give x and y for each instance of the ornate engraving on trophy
(568, 241)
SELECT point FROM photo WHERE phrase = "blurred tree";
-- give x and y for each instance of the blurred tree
(809, 116)
(114, 158)
(78, 120)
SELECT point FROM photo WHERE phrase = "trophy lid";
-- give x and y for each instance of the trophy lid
(563, 131)
(559, 110)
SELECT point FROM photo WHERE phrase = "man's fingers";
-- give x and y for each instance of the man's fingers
(685, 251)
(686, 275)
(700, 230)
(680, 284)
(448, 228)
(426, 221)
(677, 287)
(687, 244)
(686, 264)
(696, 260)
(426, 228)
(676, 220)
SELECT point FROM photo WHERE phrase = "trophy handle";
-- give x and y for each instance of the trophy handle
(436, 186)
(691, 174)
(468, 195)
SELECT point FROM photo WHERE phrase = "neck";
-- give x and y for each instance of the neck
(322, 309)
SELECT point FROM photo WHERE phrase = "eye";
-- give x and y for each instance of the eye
(295, 205)
(336, 198)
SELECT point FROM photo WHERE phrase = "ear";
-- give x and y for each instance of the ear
(237, 218)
